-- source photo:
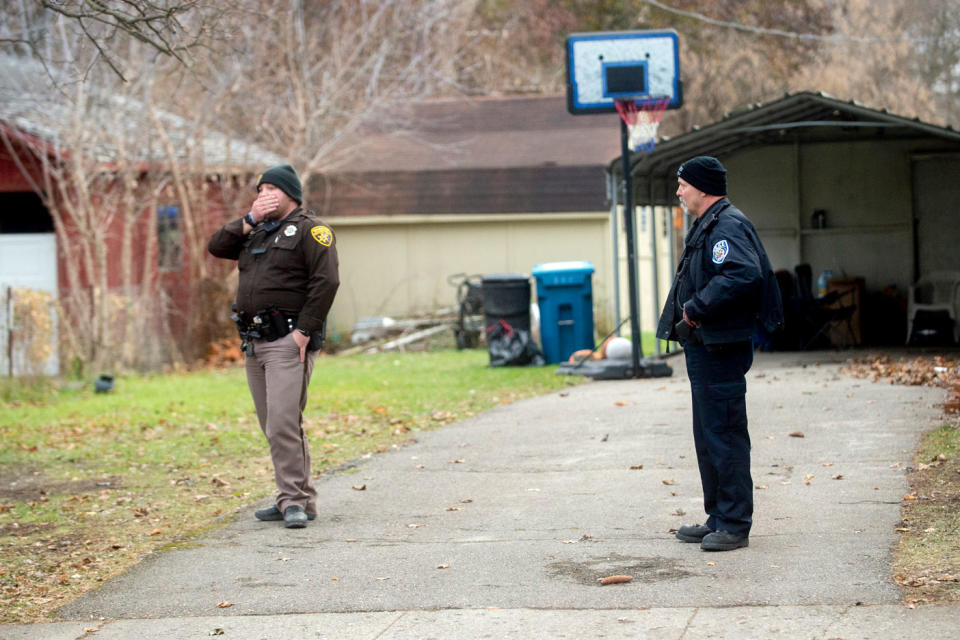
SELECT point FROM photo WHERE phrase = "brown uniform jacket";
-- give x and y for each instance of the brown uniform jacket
(292, 265)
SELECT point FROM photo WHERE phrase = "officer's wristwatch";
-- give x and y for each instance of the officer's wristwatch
(303, 332)
(250, 220)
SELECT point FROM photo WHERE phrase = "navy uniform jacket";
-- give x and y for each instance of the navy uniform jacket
(724, 280)
(291, 264)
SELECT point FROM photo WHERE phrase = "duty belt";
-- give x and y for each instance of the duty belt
(267, 324)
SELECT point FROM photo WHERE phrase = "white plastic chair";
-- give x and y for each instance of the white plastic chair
(936, 291)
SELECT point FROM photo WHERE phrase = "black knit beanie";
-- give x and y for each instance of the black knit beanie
(705, 173)
(284, 177)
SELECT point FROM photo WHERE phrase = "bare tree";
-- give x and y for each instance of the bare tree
(872, 62)
(904, 56)
(103, 156)
(935, 29)
(314, 74)
(172, 28)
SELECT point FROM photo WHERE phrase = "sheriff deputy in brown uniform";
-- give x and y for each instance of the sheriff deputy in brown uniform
(288, 265)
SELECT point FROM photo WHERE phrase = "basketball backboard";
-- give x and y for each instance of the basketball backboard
(604, 66)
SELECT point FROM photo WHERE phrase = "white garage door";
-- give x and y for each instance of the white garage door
(26, 260)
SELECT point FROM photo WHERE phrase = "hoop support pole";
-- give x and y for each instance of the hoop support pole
(636, 351)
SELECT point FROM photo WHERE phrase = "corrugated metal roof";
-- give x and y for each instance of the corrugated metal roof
(31, 103)
(805, 117)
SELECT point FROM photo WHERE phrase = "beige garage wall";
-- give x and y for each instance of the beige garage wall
(652, 224)
(398, 266)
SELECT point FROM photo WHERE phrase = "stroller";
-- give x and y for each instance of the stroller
(470, 322)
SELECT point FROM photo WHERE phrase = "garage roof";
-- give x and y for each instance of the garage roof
(800, 117)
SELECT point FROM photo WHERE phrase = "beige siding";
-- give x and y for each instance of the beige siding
(397, 266)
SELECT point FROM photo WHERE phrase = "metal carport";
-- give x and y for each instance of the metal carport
(889, 184)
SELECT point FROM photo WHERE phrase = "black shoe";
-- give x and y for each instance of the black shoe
(723, 541)
(693, 532)
(272, 514)
(295, 517)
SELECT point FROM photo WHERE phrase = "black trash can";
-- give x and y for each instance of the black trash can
(506, 297)
(506, 314)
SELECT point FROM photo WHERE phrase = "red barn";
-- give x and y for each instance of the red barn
(114, 227)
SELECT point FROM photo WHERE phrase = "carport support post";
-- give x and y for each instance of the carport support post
(631, 246)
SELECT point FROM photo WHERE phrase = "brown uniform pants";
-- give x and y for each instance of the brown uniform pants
(278, 383)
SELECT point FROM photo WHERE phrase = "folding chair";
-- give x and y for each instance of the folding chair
(821, 315)
(831, 317)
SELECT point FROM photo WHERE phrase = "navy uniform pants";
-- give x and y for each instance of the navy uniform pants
(718, 384)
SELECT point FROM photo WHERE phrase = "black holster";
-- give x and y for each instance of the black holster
(686, 334)
(267, 324)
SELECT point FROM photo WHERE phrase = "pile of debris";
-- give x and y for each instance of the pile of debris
(932, 371)
(382, 333)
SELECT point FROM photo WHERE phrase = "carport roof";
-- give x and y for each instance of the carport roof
(804, 117)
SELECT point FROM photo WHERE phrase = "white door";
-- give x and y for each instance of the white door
(26, 260)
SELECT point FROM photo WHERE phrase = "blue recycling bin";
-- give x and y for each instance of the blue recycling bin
(565, 298)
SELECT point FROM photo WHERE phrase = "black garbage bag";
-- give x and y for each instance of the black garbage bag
(512, 347)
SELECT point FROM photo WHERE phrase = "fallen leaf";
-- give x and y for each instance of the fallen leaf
(466, 501)
(839, 476)
(711, 564)
(224, 604)
(797, 434)
(679, 512)
(620, 403)
(217, 632)
(636, 467)
(156, 532)
(359, 487)
(668, 482)
(615, 579)
(443, 566)
(761, 486)
(458, 461)
(454, 509)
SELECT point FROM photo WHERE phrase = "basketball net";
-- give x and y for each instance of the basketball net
(642, 120)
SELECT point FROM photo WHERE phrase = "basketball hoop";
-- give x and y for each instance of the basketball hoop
(643, 120)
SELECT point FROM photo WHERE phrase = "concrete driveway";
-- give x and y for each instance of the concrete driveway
(500, 526)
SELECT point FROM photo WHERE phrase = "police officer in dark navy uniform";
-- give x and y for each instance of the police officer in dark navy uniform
(724, 289)
(289, 274)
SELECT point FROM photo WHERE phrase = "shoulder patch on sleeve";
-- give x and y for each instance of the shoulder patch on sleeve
(322, 234)
(720, 252)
